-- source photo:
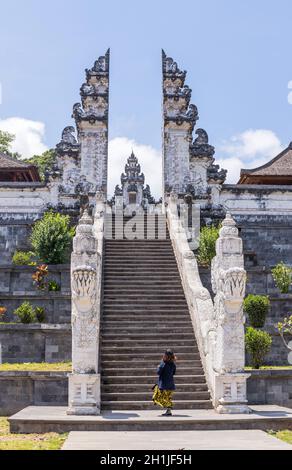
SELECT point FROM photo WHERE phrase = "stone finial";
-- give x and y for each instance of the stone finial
(84, 240)
(68, 144)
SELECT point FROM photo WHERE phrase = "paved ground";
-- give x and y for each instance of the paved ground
(58, 413)
(172, 440)
(49, 418)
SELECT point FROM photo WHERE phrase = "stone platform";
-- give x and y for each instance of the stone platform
(38, 419)
(186, 440)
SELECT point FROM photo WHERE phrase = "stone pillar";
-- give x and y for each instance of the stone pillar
(188, 163)
(228, 283)
(179, 119)
(84, 382)
(92, 123)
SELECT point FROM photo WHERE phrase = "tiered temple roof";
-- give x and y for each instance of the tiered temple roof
(12, 170)
(277, 171)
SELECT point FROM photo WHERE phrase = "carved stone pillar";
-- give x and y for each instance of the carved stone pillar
(228, 283)
(92, 124)
(84, 382)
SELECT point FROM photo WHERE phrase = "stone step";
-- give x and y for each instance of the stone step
(124, 243)
(146, 268)
(143, 307)
(120, 325)
(153, 357)
(151, 334)
(144, 396)
(147, 283)
(151, 315)
(130, 363)
(130, 254)
(172, 342)
(153, 348)
(148, 371)
(151, 379)
(145, 388)
(147, 405)
(146, 295)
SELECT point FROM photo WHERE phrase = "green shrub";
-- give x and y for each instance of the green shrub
(207, 244)
(258, 344)
(40, 314)
(256, 307)
(25, 313)
(23, 258)
(51, 238)
(282, 275)
(54, 286)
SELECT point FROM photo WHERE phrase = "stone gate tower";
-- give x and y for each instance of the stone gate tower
(188, 165)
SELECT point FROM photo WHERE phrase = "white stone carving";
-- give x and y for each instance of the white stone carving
(86, 271)
(219, 327)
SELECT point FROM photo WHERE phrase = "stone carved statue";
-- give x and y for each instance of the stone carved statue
(228, 283)
(84, 382)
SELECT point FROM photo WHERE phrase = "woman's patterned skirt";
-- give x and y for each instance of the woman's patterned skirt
(162, 398)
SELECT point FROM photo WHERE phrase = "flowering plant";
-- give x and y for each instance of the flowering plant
(39, 277)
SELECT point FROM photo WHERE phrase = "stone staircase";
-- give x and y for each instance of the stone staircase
(144, 312)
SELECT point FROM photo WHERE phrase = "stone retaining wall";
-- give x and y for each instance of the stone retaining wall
(271, 387)
(16, 287)
(259, 281)
(21, 389)
(35, 343)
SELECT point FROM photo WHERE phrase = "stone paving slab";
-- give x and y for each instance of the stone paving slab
(172, 440)
(51, 418)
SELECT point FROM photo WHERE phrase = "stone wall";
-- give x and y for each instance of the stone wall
(35, 343)
(270, 387)
(51, 389)
(260, 281)
(16, 287)
(21, 389)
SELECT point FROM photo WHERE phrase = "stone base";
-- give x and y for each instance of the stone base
(233, 409)
(83, 411)
(42, 419)
(84, 394)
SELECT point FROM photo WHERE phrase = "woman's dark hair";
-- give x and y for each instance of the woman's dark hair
(169, 354)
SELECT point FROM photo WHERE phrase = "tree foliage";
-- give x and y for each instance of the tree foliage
(207, 244)
(51, 238)
(6, 140)
(282, 275)
(43, 162)
(256, 307)
(258, 344)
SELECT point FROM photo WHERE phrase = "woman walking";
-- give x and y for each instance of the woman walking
(163, 391)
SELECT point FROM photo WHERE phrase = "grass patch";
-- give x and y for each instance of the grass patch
(284, 435)
(269, 368)
(37, 367)
(49, 441)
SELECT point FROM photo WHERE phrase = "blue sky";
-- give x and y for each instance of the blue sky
(237, 54)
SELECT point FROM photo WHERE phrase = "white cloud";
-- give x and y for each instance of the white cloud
(250, 149)
(149, 158)
(29, 135)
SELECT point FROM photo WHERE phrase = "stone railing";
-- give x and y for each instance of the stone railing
(86, 273)
(218, 327)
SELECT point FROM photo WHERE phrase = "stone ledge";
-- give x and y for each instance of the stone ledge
(36, 327)
(52, 267)
(34, 295)
(270, 373)
(35, 375)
